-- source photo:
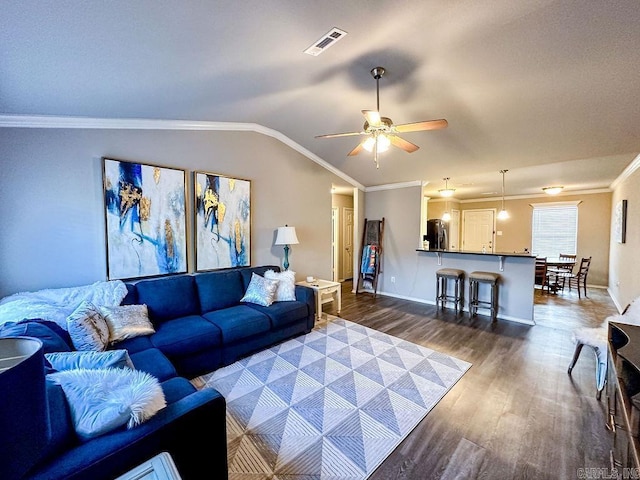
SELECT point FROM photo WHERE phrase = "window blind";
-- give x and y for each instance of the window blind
(554, 230)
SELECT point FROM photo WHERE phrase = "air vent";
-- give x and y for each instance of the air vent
(328, 39)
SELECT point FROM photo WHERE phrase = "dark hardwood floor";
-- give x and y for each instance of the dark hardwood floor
(516, 414)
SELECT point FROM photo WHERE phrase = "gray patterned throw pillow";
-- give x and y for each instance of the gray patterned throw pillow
(260, 291)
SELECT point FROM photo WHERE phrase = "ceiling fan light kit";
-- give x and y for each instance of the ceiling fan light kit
(552, 190)
(381, 133)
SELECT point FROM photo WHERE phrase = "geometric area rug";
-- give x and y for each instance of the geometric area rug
(331, 404)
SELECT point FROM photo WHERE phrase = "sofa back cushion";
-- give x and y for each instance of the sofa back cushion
(247, 271)
(169, 297)
(217, 290)
(132, 295)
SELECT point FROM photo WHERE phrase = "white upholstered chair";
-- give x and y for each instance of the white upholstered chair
(597, 339)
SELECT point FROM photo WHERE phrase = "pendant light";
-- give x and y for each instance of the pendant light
(446, 192)
(503, 214)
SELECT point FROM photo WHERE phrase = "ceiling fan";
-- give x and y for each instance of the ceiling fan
(380, 132)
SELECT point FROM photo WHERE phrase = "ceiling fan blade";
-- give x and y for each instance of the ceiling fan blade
(419, 126)
(334, 135)
(403, 144)
(372, 117)
(356, 150)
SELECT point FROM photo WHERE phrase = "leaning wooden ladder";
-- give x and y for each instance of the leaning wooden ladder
(370, 256)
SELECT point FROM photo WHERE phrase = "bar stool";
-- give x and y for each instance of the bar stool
(475, 279)
(442, 277)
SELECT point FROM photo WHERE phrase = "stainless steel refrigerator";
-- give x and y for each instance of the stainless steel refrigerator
(437, 234)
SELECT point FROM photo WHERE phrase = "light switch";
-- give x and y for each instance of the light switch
(499, 233)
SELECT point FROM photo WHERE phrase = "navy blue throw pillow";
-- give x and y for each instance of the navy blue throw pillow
(64, 335)
(52, 342)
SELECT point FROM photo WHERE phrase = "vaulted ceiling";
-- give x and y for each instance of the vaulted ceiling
(549, 90)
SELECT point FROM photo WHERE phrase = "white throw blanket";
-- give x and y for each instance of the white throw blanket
(56, 304)
(598, 337)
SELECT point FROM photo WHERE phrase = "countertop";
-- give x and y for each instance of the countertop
(489, 254)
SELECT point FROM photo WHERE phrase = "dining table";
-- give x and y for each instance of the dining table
(558, 265)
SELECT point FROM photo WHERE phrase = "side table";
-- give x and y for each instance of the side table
(325, 291)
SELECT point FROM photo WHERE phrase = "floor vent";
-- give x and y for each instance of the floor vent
(324, 42)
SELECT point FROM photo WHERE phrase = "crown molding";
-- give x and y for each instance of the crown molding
(46, 121)
(394, 186)
(539, 195)
(626, 173)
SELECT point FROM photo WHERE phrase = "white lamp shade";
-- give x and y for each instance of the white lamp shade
(286, 236)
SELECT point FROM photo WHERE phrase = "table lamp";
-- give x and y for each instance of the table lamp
(24, 415)
(286, 236)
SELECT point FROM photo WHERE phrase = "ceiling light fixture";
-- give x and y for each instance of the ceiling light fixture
(552, 190)
(503, 214)
(446, 191)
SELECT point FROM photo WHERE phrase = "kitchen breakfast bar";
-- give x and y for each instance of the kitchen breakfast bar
(516, 285)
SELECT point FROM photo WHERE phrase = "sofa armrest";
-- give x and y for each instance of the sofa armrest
(173, 429)
(307, 295)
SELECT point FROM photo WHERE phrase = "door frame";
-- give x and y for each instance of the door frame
(335, 247)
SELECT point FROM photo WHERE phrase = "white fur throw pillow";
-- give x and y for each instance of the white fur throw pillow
(286, 291)
(102, 400)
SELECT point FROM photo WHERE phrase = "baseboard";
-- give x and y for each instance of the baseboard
(482, 311)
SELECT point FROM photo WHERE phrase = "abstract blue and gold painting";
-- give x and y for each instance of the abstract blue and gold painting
(222, 221)
(145, 210)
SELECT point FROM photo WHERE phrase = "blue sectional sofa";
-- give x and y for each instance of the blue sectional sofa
(200, 325)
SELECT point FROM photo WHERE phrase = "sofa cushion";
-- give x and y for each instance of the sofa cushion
(134, 345)
(239, 322)
(51, 341)
(132, 295)
(185, 336)
(283, 313)
(62, 434)
(153, 361)
(218, 290)
(168, 298)
(177, 388)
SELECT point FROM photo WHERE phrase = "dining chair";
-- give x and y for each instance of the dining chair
(541, 273)
(579, 278)
(559, 273)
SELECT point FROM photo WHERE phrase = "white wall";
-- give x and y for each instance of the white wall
(624, 258)
(51, 198)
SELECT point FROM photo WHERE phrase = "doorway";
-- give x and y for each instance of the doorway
(347, 239)
(478, 229)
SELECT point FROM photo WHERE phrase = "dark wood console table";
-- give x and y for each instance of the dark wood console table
(623, 395)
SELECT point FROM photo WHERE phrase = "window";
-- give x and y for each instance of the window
(554, 229)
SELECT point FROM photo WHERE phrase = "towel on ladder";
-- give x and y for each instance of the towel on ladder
(368, 267)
